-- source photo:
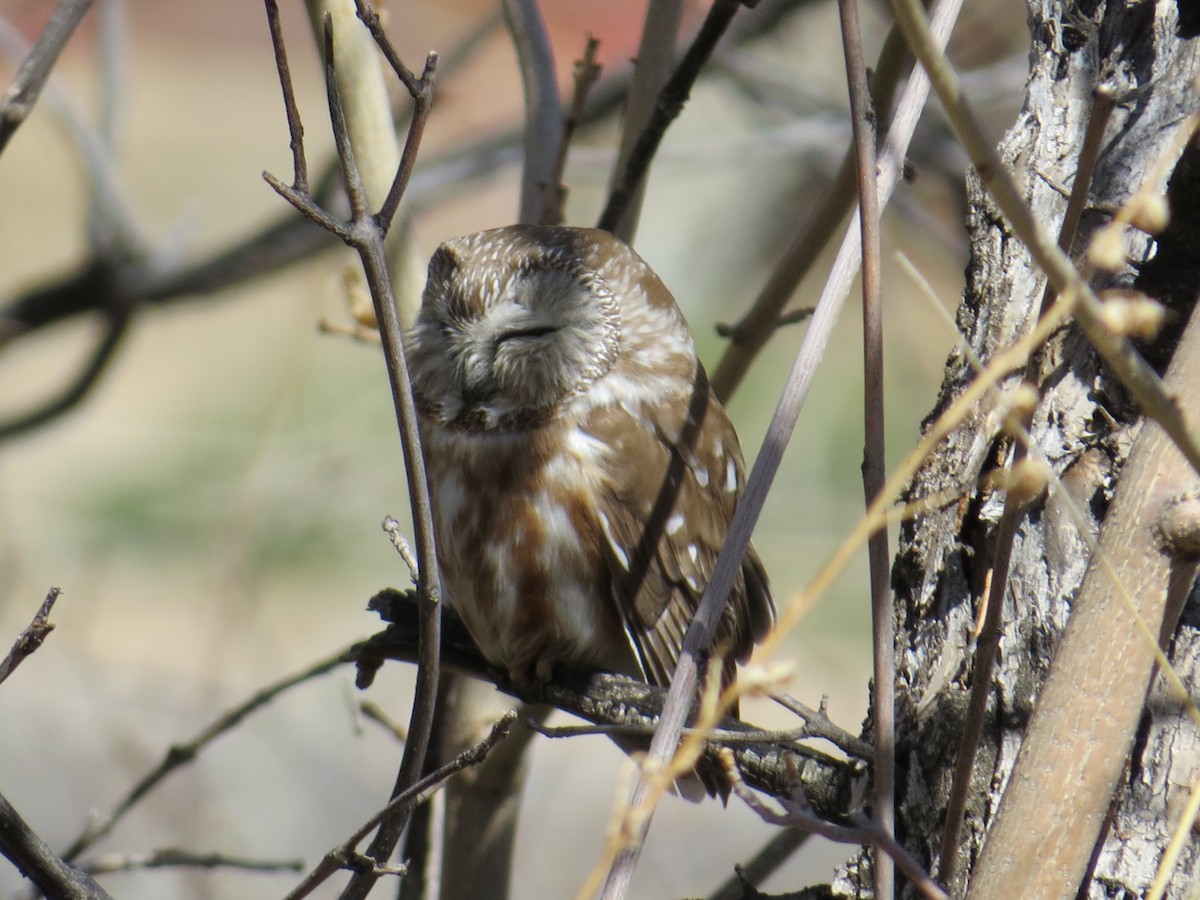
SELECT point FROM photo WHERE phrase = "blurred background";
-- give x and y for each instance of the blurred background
(212, 510)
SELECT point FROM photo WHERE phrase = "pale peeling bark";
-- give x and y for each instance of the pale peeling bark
(1083, 429)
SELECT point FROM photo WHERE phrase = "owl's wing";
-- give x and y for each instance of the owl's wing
(675, 473)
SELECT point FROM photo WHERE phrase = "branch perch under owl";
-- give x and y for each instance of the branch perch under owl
(828, 783)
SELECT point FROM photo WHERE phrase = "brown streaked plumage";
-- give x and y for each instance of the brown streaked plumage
(583, 475)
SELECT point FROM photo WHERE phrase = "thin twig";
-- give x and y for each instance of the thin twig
(651, 69)
(377, 715)
(874, 470)
(719, 736)
(703, 626)
(670, 103)
(543, 109)
(988, 643)
(421, 91)
(291, 110)
(23, 93)
(178, 755)
(36, 861)
(172, 858)
(792, 317)
(796, 813)
(587, 71)
(31, 638)
(392, 529)
(125, 242)
(345, 856)
(820, 725)
(774, 853)
(117, 320)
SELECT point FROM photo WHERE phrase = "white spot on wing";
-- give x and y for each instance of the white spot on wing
(730, 475)
(701, 474)
(675, 523)
(693, 553)
(622, 556)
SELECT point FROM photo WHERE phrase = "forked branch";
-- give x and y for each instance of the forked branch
(365, 231)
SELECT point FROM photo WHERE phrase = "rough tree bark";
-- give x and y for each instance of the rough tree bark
(1084, 428)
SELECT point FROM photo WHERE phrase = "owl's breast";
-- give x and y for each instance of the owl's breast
(520, 544)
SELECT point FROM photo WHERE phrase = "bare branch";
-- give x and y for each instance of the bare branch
(106, 234)
(774, 853)
(31, 638)
(291, 110)
(797, 812)
(377, 715)
(23, 93)
(670, 103)
(179, 755)
(587, 71)
(631, 706)
(366, 233)
(37, 862)
(94, 147)
(543, 109)
(172, 858)
(765, 315)
(362, 85)
(651, 69)
(421, 90)
(345, 856)
(874, 470)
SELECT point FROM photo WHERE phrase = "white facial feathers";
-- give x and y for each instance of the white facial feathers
(511, 326)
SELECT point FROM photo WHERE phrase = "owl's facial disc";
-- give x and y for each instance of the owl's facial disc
(501, 349)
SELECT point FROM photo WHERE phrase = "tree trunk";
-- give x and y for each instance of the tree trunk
(1084, 429)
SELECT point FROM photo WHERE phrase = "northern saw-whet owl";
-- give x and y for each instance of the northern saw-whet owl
(583, 475)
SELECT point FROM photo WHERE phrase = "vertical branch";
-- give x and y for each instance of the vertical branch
(587, 71)
(543, 110)
(104, 237)
(363, 92)
(366, 232)
(652, 67)
(21, 96)
(291, 110)
(874, 464)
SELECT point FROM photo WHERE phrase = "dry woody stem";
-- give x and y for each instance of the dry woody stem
(365, 232)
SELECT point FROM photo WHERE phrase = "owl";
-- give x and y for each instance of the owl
(582, 473)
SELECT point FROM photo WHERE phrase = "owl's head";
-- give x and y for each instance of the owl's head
(513, 324)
